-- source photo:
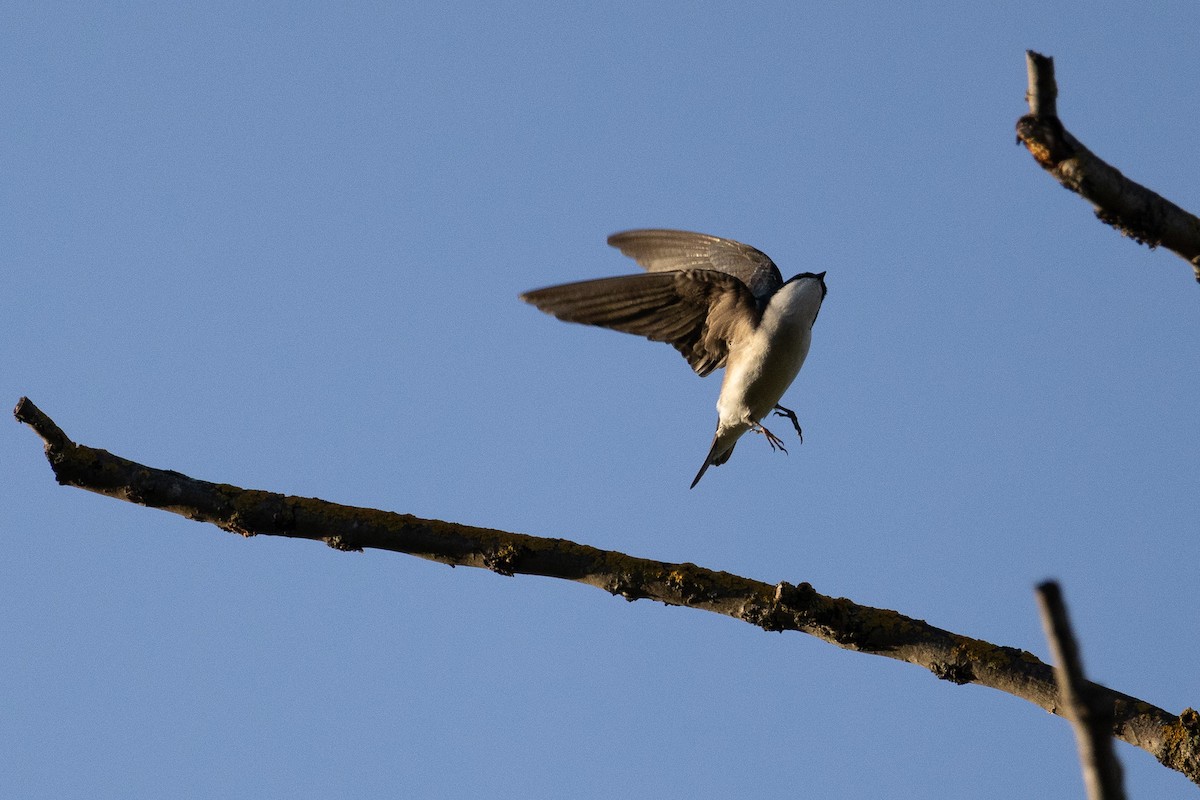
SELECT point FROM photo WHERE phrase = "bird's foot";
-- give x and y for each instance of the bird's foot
(780, 411)
(773, 440)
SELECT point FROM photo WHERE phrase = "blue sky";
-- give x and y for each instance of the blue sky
(280, 245)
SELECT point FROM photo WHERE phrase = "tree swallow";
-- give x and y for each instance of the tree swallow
(720, 303)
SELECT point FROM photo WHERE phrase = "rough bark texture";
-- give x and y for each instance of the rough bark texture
(1173, 740)
(1088, 714)
(1129, 207)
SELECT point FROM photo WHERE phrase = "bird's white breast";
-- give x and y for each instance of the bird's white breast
(761, 369)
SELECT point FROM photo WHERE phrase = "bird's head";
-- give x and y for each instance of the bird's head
(819, 277)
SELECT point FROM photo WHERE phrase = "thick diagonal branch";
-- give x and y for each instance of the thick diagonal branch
(1175, 741)
(1131, 208)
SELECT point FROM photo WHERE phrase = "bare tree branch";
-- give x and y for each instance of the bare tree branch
(1173, 740)
(1131, 208)
(1087, 713)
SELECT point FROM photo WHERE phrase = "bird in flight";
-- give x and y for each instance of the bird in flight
(718, 302)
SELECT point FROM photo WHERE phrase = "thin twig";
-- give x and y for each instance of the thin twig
(1175, 741)
(1131, 208)
(1085, 709)
(1042, 94)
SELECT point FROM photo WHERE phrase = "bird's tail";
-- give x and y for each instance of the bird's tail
(714, 458)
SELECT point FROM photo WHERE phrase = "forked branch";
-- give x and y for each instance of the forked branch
(1129, 207)
(1173, 740)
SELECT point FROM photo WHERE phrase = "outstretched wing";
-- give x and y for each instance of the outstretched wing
(698, 312)
(663, 250)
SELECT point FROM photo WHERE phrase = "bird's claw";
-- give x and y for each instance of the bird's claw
(780, 411)
(772, 439)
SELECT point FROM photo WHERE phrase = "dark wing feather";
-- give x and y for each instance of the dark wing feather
(665, 250)
(698, 312)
